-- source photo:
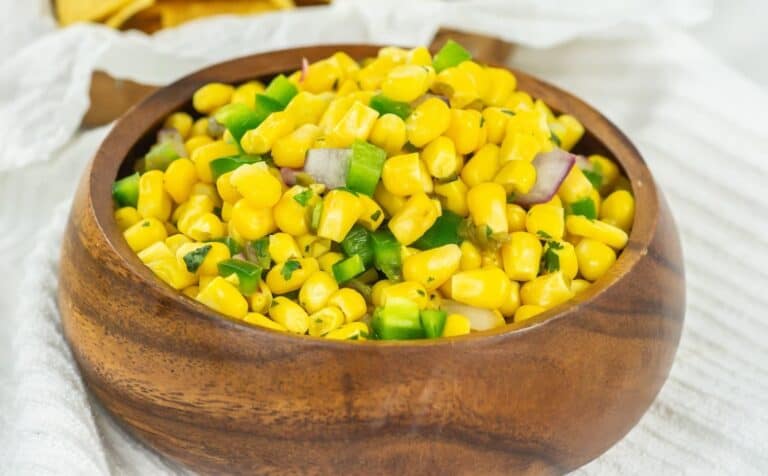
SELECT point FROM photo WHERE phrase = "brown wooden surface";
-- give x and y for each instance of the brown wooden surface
(222, 397)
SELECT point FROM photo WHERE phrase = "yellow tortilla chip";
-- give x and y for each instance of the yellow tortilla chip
(71, 11)
(117, 19)
(174, 13)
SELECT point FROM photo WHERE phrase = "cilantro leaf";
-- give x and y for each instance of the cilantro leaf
(555, 140)
(585, 207)
(488, 231)
(257, 252)
(375, 215)
(288, 268)
(302, 198)
(550, 261)
(596, 178)
(511, 197)
(195, 258)
(508, 112)
(543, 235)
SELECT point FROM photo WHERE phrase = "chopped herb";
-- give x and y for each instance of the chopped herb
(488, 231)
(482, 121)
(289, 267)
(544, 235)
(430, 279)
(257, 252)
(585, 207)
(555, 140)
(420, 292)
(217, 211)
(550, 261)
(595, 176)
(511, 197)
(409, 148)
(303, 197)
(306, 248)
(273, 304)
(375, 215)
(508, 112)
(335, 83)
(145, 224)
(195, 258)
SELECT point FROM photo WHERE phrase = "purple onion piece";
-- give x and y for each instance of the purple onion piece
(288, 175)
(551, 169)
(328, 166)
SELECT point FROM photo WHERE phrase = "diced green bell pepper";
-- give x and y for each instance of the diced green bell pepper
(365, 167)
(232, 244)
(385, 105)
(451, 54)
(585, 207)
(358, 242)
(386, 254)
(281, 89)
(433, 322)
(160, 156)
(398, 320)
(347, 269)
(126, 191)
(227, 164)
(238, 119)
(264, 106)
(248, 274)
(314, 219)
(444, 231)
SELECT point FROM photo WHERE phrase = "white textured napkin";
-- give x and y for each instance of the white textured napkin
(698, 124)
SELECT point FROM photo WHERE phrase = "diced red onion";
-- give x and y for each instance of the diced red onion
(304, 69)
(479, 319)
(328, 166)
(583, 163)
(551, 169)
(289, 175)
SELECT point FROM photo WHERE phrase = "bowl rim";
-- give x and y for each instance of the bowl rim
(132, 127)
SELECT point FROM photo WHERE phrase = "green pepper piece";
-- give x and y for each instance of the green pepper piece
(281, 89)
(232, 244)
(257, 252)
(358, 242)
(385, 105)
(347, 269)
(386, 254)
(160, 156)
(238, 119)
(194, 259)
(451, 54)
(398, 320)
(265, 106)
(248, 274)
(444, 231)
(227, 164)
(317, 212)
(365, 165)
(126, 191)
(433, 322)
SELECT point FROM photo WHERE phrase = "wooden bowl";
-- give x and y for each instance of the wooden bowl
(223, 397)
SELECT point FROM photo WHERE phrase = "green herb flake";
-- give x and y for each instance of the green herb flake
(555, 140)
(543, 235)
(508, 112)
(511, 197)
(550, 261)
(257, 252)
(595, 176)
(195, 258)
(488, 231)
(482, 121)
(145, 224)
(302, 198)
(585, 207)
(430, 279)
(420, 292)
(375, 215)
(288, 268)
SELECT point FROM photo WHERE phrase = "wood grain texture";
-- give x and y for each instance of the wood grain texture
(222, 397)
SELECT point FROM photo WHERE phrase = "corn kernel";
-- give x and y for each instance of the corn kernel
(519, 101)
(261, 299)
(371, 214)
(612, 236)
(405, 175)
(465, 130)
(501, 84)
(419, 56)
(427, 122)
(169, 271)
(351, 303)
(257, 185)
(413, 219)
(181, 121)
(547, 291)
(470, 257)
(517, 176)
(321, 76)
(211, 97)
(275, 126)
(125, 217)
(352, 331)
(205, 227)
(246, 93)
(486, 288)
(575, 186)
(453, 196)
(482, 167)
(156, 251)
(495, 124)
(297, 273)
(289, 315)
(217, 252)
(341, 209)
(573, 131)
(516, 216)
(377, 292)
(441, 159)
(144, 233)
(153, 202)
(194, 143)
(316, 291)
(579, 285)
(355, 124)
(388, 133)
(290, 216)
(327, 260)
(527, 311)
(595, 258)
(607, 169)
(283, 247)
(432, 267)
(487, 205)
(410, 290)
(618, 210)
(291, 150)
(258, 319)
(251, 223)
(222, 296)
(521, 256)
(175, 241)
(204, 155)
(325, 320)
(406, 83)
(512, 301)
(179, 178)
(459, 85)
(456, 325)
(335, 111)
(547, 219)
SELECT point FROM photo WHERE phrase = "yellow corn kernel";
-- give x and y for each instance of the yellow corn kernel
(487, 205)
(207, 189)
(575, 186)
(327, 260)
(153, 202)
(257, 185)
(275, 126)
(356, 123)
(347, 66)
(487, 288)
(519, 101)
(192, 144)
(351, 331)
(204, 155)
(408, 82)
(283, 247)
(607, 169)
(547, 291)
(211, 97)
(371, 214)
(518, 146)
(181, 121)
(291, 150)
(297, 273)
(414, 218)
(555, 202)
(456, 325)
(542, 108)
(470, 257)
(179, 178)
(325, 320)
(312, 246)
(169, 271)
(191, 291)
(144, 233)
(210, 266)
(316, 291)
(547, 219)
(479, 77)
(246, 93)
(527, 311)
(341, 209)
(594, 195)
(459, 85)
(290, 215)
(453, 196)
(199, 128)
(419, 56)
(611, 235)
(405, 175)
(126, 217)
(205, 227)
(432, 267)
(618, 210)
(251, 223)
(495, 124)
(335, 111)
(321, 76)
(347, 87)
(491, 257)
(435, 300)
(289, 315)
(394, 54)
(351, 303)
(175, 241)
(222, 296)
(595, 258)
(521, 256)
(374, 73)
(308, 108)
(261, 299)
(388, 133)
(389, 202)
(410, 290)
(512, 301)
(517, 176)
(227, 191)
(441, 159)
(572, 131)
(204, 280)
(566, 255)
(465, 130)
(377, 292)
(579, 285)
(501, 85)
(156, 251)
(516, 216)
(189, 211)
(427, 122)
(482, 167)
(258, 319)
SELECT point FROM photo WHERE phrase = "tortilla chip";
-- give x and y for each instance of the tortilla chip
(71, 11)
(121, 16)
(177, 12)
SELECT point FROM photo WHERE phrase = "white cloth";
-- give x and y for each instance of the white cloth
(698, 124)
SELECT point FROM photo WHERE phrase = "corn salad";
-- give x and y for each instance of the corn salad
(402, 197)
